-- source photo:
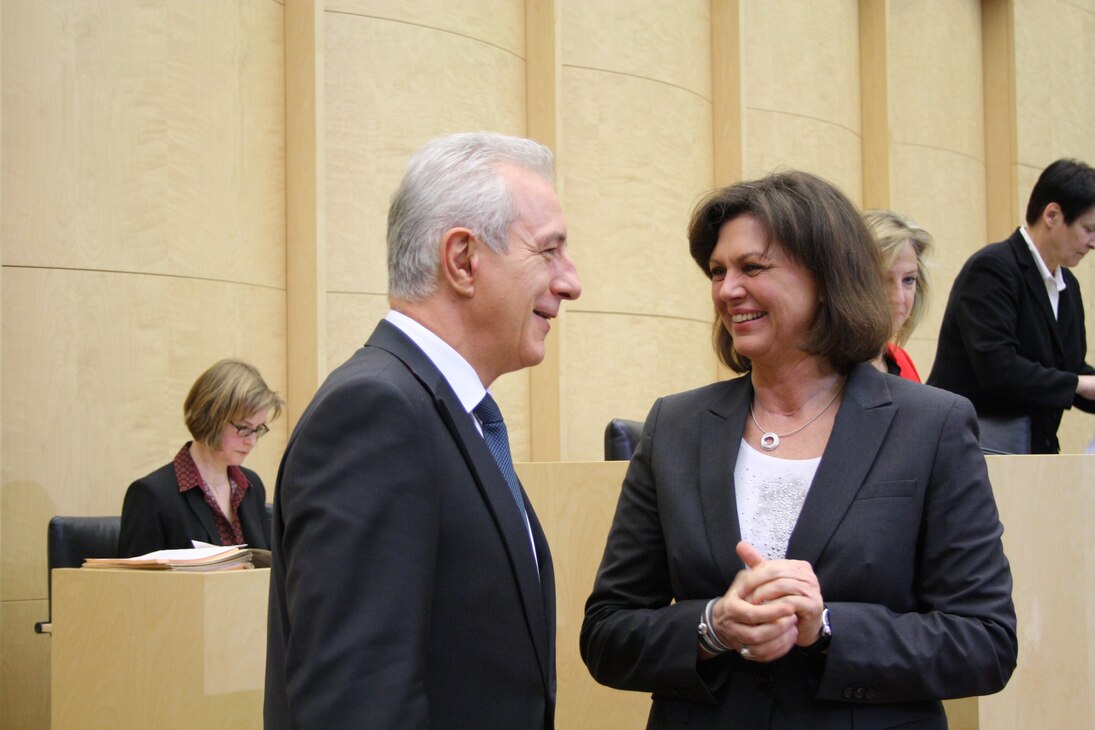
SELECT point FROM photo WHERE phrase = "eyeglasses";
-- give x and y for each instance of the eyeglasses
(243, 430)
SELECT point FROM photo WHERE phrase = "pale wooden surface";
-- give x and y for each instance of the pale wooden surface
(143, 649)
(143, 234)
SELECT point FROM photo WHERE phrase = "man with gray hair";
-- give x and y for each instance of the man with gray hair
(412, 585)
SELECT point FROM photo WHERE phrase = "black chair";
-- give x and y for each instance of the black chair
(70, 540)
(621, 438)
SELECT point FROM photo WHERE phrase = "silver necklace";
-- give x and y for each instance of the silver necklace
(769, 441)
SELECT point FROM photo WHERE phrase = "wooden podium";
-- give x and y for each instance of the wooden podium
(158, 649)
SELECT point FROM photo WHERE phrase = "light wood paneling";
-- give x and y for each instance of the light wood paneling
(129, 147)
(24, 665)
(875, 102)
(542, 123)
(778, 142)
(616, 365)
(935, 75)
(1047, 509)
(153, 649)
(635, 153)
(500, 22)
(630, 184)
(390, 88)
(726, 102)
(650, 39)
(1002, 210)
(1054, 114)
(306, 234)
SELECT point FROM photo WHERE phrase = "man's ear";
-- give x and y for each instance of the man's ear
(459, 260)
(1052, 215)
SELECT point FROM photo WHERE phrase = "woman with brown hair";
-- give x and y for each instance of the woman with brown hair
(205, 494)
(814, 544)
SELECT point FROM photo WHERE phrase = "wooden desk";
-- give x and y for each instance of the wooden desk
(144, 649)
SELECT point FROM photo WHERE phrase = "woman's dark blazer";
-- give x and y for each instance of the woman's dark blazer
(900, 526)
(157, 516)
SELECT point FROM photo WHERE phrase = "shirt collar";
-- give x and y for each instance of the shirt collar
(188, 477)
(460, 375)
(1052, 279)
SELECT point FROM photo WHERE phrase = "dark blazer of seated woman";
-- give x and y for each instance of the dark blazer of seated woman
(161, 512)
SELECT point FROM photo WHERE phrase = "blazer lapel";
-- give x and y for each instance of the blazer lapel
(195, 500)
(861, 425)
(721, 429)
(1036, 286)
(488, 477)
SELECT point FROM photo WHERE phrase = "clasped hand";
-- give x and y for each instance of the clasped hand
(770, 607)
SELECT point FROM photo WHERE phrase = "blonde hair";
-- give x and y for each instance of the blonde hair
(892, 231)
(230, 389)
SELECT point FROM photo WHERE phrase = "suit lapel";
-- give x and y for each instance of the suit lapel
(861, 425)
(490, 482)
(721, 429)
(195, 500)
(1036, 287)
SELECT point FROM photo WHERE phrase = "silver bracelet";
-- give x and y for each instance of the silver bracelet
(709, 638)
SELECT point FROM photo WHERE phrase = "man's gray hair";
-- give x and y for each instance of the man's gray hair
(454, 182)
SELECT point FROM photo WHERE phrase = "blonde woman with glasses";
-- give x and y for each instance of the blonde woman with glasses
(205, 493)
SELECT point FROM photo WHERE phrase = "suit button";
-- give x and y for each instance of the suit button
(846, 693)
(870, 694)
(859, 693)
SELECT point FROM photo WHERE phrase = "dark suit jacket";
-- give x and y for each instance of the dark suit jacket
(403, 593)
(157, 516)
(1000, 346)
(900, 526)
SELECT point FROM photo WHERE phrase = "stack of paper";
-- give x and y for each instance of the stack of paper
(230, 557)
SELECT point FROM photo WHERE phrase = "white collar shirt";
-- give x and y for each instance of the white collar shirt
(1054, 281)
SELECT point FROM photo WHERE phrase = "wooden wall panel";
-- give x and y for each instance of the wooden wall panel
(800, 90)
(632, 360)
(635, 153)
(380, 109)
(937, 140)
(147, 155)
(143, 229)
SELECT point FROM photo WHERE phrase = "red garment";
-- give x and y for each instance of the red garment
(904, 363)
(229, 527)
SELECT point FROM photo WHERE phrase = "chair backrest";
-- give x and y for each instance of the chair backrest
(621, 438)
(71, 539)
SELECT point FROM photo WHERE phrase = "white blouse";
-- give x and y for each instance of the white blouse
(770, 492)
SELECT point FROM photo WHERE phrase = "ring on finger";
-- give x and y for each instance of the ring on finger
(745, 653)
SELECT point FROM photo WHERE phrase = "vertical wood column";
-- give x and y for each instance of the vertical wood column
(874, 100)
(726, 102)
(305, 269)
(1001, 134)
(541, 102)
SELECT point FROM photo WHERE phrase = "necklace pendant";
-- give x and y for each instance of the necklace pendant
(769, 441)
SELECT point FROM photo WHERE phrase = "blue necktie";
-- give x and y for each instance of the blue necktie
(494, 433)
